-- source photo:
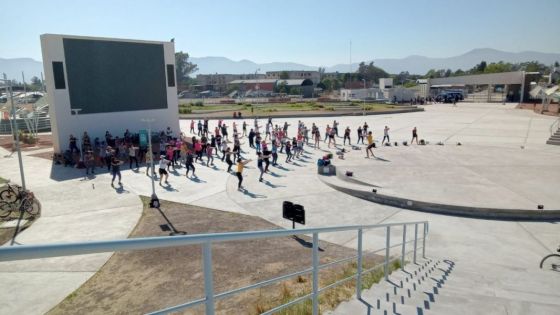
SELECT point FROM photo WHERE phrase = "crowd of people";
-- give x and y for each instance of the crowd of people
(204, 147)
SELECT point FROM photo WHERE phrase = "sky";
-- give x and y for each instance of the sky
(310, 32)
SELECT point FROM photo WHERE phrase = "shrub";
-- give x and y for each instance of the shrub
(329, 108)
(185, 110)
(198, 103)
(27, 138)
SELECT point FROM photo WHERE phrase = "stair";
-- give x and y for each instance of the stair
(555, 138)
(444, 287)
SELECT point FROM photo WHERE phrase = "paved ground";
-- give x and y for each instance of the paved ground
(492, 137)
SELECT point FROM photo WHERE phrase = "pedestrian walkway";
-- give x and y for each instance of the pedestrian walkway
(78, 209)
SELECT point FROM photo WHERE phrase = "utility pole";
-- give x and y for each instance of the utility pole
(15, 131)
(154, 202)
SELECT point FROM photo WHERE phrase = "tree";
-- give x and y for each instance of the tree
(459, 72)
(447, 73)
(36, 84)
(321, 71)
(370, 72)
(183, 67)
(481, 66)
(402, 77)
(556, 64)
(326, 84)
(498, 67)
(284, 75)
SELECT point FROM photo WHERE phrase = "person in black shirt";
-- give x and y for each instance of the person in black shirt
(252, 138)
(116, 169)
(347, 136)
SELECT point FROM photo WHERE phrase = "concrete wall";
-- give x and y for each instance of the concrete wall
(64, 123)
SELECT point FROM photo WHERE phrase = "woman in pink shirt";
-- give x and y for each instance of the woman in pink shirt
(198, 150)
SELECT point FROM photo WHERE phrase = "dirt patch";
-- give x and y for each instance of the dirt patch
(44, 141)
(147, 280)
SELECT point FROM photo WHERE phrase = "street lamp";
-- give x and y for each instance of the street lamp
(365, 91)
(76, 111)
(154, 202)
(257, 87)
(15, 129)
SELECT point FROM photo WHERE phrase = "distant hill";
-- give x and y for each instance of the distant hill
(14, 67)
(413, 64)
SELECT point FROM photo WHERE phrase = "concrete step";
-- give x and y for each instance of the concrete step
(553, 142)
(371, 305)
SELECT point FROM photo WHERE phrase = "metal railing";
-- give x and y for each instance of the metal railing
(554, 126)
(207, 240)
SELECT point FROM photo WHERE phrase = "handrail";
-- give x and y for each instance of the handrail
(555, 123)
(68, 249)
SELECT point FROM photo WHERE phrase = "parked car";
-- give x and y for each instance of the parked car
(448, 97)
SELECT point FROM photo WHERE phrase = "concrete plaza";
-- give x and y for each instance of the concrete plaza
(503, 162)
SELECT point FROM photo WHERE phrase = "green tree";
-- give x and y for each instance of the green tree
(36, 84)
(183, 67)
(321, 71)
(556, 64)
(369, 72)
(281, 87)
(327, 84)
(284, 75)
(458, 72)
(498, 67)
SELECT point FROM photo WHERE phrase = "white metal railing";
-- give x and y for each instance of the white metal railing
(554, 127)
(206, 240)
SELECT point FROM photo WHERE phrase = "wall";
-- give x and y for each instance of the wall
(64, 123)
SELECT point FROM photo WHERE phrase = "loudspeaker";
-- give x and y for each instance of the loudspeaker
(349, 173)
(540, 207)
(58, 73)
(170, 76)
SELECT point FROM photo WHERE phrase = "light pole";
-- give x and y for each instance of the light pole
(15, 130)
(154, 202)
(76, 111)
(365, 91)
(257, 83)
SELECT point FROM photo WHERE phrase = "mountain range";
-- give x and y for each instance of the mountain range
(413, 64)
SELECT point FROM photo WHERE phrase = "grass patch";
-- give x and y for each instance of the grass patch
(329, 299)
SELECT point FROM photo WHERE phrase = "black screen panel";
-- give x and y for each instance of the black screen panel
(170, 76)
(110, 76)
(58, 72)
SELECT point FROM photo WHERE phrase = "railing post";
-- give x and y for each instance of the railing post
(424, 240)
(415, 240)
(359, 277)
(208, 277)
(387, 245)
(315, 273)
(403, 246)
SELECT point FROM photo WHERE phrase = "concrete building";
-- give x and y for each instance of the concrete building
(254, 84)
(360, 94)
(498, 87)
(385, 83)
(304, 86)
(295, 75)
(219, 82)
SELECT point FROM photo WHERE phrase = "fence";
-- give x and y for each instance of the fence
(206, 240)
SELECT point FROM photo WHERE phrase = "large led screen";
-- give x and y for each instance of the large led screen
(109, 76)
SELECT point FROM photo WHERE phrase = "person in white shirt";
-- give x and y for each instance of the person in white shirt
(163, 162)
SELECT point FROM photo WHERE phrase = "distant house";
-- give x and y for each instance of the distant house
(305, 86)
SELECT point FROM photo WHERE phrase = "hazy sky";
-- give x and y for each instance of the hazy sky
(309, 32)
